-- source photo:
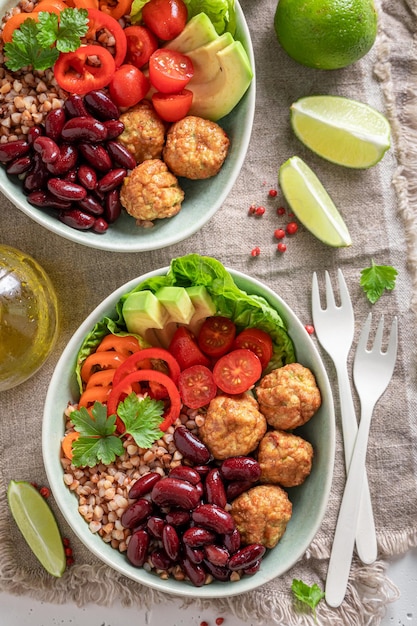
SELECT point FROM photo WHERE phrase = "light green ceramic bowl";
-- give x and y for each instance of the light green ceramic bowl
(309, 500)
(202, 198)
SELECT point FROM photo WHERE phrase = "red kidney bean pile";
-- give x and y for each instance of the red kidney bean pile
(73, 163)
(182, 518)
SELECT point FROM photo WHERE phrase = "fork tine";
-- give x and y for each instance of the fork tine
(315, 295)
(329, 291)
(364, 336)
(393, 340)
(379, 334)
(343, 290)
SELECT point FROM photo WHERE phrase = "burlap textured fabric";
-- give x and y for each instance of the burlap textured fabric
(379, 207)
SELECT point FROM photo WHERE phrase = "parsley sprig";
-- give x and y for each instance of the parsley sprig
(38, 44)
(98, 441)
(310, 596)
(376, 279)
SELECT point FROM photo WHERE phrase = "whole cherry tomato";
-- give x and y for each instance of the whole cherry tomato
(128, 86)
(165, 18)
(141, 43)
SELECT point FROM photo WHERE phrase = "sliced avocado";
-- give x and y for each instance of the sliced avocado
(177, 302)
(203, 305)
(204, 69)
(216, 98)
(198, 31)
(143, 311)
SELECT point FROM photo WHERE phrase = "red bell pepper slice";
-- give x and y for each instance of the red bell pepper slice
(98, 20)
(131, 363)
(74, 73)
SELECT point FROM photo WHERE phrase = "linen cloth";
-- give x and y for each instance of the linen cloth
(379, 207)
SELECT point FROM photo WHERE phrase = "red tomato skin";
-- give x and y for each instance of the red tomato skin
(258, 341)
(216, 336)
(170, 71)
(172, 107)
(196, 386)
(165, 18)
(185, 350)
(141, 43)
(128, 86)
(237, 371)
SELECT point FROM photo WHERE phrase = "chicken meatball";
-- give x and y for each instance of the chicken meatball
(261, 514)
(144, 132)
(233, 426)
(151, 192)
(284, 458)
(195, 148)
(288, 396)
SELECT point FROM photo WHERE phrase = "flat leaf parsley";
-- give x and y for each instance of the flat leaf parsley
(310, 596)
(98, 441)
(376, 279)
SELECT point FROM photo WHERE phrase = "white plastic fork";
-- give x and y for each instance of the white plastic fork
(372, 372)
(335, 327)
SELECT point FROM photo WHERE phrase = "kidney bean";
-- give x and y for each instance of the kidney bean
(37, 176)
(121, 155)
(196, 536)
(74, 106)
(203, 470)
(47, 148)
(112, 206)
(144, 485)
(33, 132)
(67, 159)
(171, 542)
(72, 176)
(195, 555)
(160, 559)
(75, 218)
(175, 492)
(46, 200)
(252, 569)
(111, 180)
(247, 556)
(190, 446)
(54, 123)
(218, 555)
(178, 518)
(13, 150)
(19, 166)
(100, 225)
(101, 106)
(241, 468)
(96, 155)
(236, 487)
(91, 205)
(215, 490)
(66, 190)
(137, 549)
(185, 473)
(217, 571)
(84, 128)
(155, 526)
(136, 513)
(214, 518)
(87, 177)
(195, 572)
(232, 541)
(114, 128)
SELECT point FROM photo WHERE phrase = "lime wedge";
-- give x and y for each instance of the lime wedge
(312, 204)
(343, 131)
(38, 526)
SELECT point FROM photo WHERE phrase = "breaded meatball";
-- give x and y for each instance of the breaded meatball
(261, 514)
(151, 192)
(233, 426)
(195, 148)
(285, 459)
(144, 132)
(288, 396)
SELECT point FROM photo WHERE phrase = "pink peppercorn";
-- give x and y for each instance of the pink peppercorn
(279, 233)
(281, 247)
(273, 193)
(291, 228)
(281, 210)
(260, 210)
(309, 328)
(256, 251)
(252, 209)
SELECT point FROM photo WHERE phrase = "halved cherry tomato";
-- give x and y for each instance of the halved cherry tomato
(258, 341)
(172, 107)
(94, 394)
(126, 344)
(165, 18)
(97, 21)
(124, 387)
(133, 363)
(170, 71)
(197, 386)
(75, 73)
(216, 335)
(237, 371)
(15, 22)
(100, 361)
(115, 8)
(141, 43)
(128, 86)
(184, 348)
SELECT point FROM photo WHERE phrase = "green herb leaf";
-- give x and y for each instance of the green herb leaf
(376, 279)
(142, 418)
(310, 596)
(24, 49)
(97, 442)
(47, 28)
(73, 24)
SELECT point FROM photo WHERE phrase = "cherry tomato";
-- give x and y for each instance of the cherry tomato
(141, 43)
(237, 371)
(128, 86)
(258, 341)
(197, 386)
(170, 71)
(74, 73)
(165, 18)
(184, 348)
(172, 107)
(216, 336)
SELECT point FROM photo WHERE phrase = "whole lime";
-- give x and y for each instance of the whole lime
(326, 34)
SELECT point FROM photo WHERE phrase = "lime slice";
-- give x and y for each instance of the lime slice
(312, 204)
(38, 526)
(343, 131)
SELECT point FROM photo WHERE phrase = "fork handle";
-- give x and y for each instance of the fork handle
(344, 538)
(366, 544)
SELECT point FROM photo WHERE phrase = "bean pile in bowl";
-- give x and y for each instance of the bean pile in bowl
(199, 452)
(104, 120)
